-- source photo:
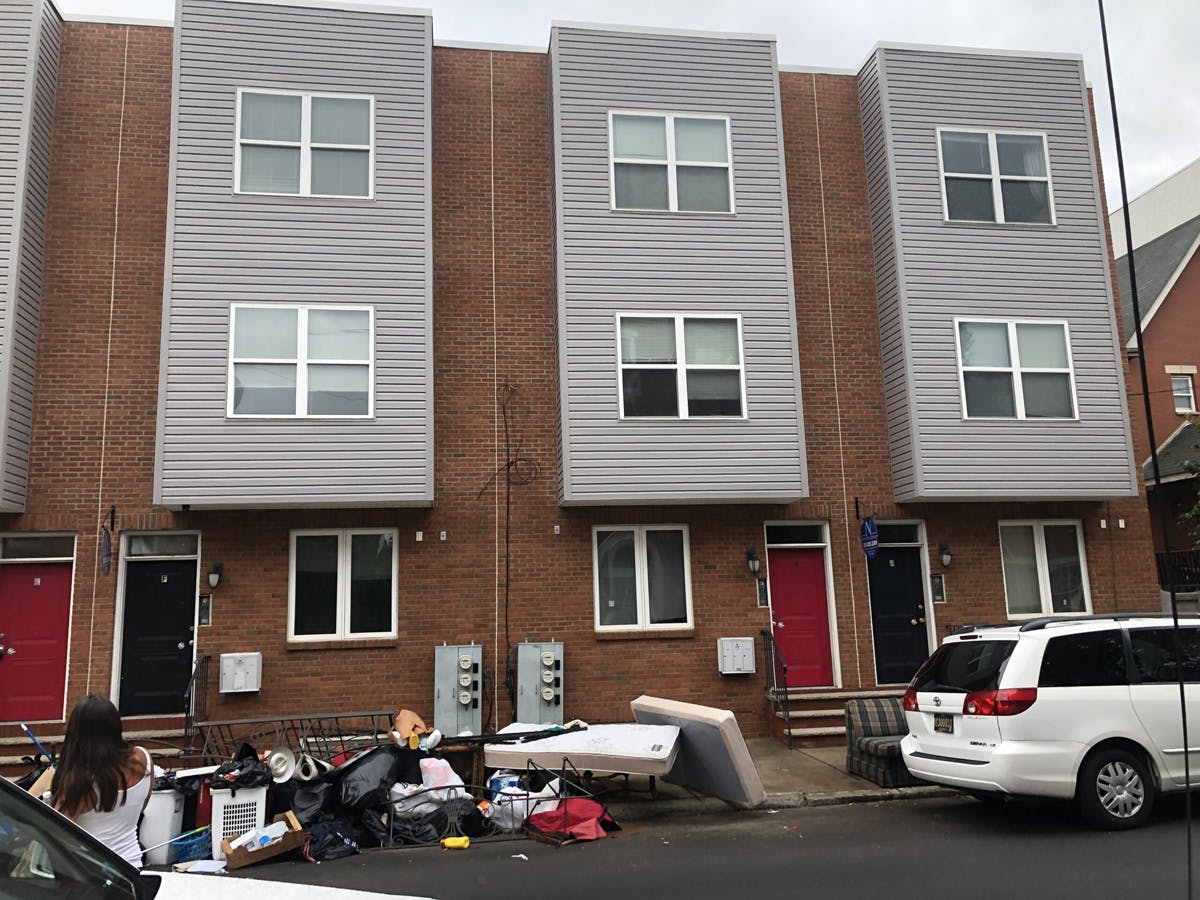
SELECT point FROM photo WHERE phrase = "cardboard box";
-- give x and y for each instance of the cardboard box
(237, 857)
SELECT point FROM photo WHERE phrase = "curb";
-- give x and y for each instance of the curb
(681, 807)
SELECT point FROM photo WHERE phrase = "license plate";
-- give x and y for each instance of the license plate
(943, 722)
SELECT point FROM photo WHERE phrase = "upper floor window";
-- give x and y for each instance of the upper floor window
(1181, 390)
(669, 162)
(1015, 370)
(1044, 568)
(994, 176)
(313, 145)
(681, 366)
(342, 584)
(301, 361)
(642, 578)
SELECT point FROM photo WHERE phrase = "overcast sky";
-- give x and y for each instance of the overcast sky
(1156, 66)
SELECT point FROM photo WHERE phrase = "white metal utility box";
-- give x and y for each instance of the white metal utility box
(540, 683)
(241, 672)
(735, 655)
(457, 680)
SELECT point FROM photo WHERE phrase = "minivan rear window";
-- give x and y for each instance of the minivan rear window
(965, 666)
(1094, 658)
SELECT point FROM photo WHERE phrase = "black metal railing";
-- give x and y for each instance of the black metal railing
(196, 705)
(1180, 566)
(322, 735)
(777, 679)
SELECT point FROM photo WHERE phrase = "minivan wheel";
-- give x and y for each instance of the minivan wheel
(1115, 789)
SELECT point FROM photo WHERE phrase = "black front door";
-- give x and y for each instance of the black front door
(898, 613)
(156, 647)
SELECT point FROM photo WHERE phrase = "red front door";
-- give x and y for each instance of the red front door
(800, 611)
(35, 612)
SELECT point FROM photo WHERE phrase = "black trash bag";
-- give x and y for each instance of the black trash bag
(427, 827)
(241, 773)
(280, 797)
(472, 823)
(365, 780)
(375, 826)
(313, 801)
(329, 840)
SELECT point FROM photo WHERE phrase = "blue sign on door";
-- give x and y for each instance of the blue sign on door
(870, 537)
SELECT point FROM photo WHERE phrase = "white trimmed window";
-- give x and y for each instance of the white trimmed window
(313, 145)
(678, 366)
(342, 584)
(992, 176)
(642, 577)
(675, 163)
(1181, 390)
(1015, 369)
(1045, 570)
(295, 361)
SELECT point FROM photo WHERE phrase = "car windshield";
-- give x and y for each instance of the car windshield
(43, 855)
(965, 666)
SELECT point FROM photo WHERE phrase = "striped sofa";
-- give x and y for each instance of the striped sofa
(874, 727)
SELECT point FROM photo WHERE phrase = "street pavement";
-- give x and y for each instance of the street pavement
(943, 846)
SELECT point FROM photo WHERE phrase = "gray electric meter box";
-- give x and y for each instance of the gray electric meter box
(457, 680)
(540, 683)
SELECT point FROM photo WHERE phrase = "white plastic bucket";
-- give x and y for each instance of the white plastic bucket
(162, 820)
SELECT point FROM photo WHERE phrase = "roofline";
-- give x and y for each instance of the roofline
(1157, 184)
(484, 45)
(818, 70)
(647, 29)
(117, 20)
(971, 51)
(382, 8)
(1131, 343)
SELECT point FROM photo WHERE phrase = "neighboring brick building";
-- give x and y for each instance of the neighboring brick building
(580, 333)
(1166, 234)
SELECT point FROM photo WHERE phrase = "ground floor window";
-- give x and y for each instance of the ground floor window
(642, 577)
(342, 584)
(1045, 571)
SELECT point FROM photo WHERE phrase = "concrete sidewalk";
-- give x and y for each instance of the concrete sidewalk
(802, 776)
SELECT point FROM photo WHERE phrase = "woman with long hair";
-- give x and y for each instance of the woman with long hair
(102, 782)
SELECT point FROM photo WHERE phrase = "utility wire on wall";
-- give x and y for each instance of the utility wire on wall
(517, 470)
(1164, 519)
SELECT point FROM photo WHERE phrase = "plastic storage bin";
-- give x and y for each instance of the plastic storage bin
(236, 812)
(162, 820)
(198, 846)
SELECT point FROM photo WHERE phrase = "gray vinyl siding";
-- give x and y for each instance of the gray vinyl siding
(614, 261)
(29, 43)
(225, 248)
(928, 271)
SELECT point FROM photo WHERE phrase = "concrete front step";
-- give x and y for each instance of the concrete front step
(823, 736)
(835, 713)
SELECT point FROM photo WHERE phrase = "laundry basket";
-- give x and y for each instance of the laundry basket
(198, 846)
(235, 813)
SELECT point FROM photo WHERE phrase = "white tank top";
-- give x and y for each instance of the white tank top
(117, 829)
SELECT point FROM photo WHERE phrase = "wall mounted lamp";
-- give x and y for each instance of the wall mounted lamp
(214, 575)
(945, 554)
(752, 562)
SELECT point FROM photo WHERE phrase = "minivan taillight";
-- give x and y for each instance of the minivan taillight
(1007, 702)
(910, 700)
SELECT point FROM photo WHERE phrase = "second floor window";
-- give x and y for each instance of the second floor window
(313, 145)
(992, 176)
(1015, 370)
(1044, 568)
(671, 163)
(680, 366)
(1181, 389)
(301, 361)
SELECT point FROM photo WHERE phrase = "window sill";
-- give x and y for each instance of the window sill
(665, 635)
(350, 644)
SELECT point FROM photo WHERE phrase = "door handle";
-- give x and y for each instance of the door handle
(9, 650)
(777, 624)
(181, 645)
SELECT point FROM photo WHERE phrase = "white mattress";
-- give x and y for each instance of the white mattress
(713, 757)
(628, 748)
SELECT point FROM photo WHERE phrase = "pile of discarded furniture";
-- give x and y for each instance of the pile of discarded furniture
(874, 729)
(320, 800)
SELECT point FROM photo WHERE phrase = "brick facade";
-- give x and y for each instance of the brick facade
(494, 338)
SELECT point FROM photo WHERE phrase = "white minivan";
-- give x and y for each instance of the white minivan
(1084, 708)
